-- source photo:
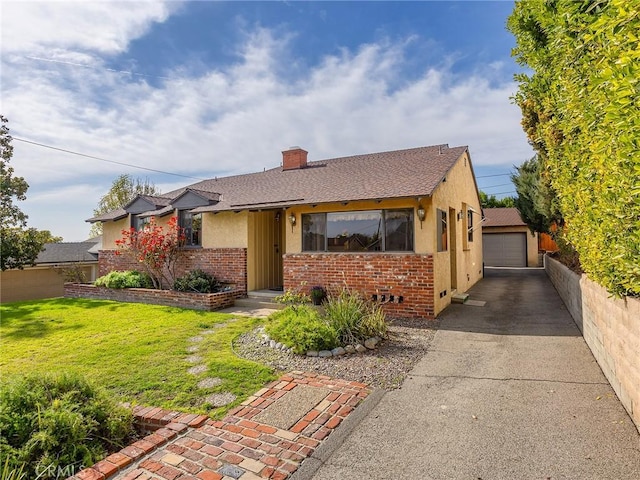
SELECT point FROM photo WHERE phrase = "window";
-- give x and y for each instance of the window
(359, 231)
(469, 225)
(138, 223)
(441, 218)
(191, 223)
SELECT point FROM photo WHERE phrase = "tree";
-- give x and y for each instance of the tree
(490, 201)
(154, 249)
(581, 114)
(123, 189)
(536, 200)
(19, 245)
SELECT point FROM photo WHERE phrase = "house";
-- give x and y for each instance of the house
(507, 240)
(402, 227)
(57, 263)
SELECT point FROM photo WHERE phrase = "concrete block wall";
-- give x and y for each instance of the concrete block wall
(409, 276)
(610, 327)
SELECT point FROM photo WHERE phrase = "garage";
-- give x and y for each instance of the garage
(504, 249)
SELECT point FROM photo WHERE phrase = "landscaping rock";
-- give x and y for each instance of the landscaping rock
(198, 369)
(278, 346)
(371, 343)
(361, 348)
(312, 353)
(324, 353)
(350, 349)
(272, 343)
(197, 338)
(194, 359)
(193, 348)
(209, 382)
(220, 399)
(336, 352)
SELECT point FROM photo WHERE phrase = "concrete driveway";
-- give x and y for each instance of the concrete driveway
(508, 391)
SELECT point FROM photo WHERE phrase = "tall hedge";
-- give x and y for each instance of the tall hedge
(581, 112)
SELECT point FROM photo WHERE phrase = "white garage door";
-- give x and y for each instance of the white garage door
(504, 249)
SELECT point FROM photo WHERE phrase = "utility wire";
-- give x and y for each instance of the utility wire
(496, 175)
(494, 186)
(103, 159)
(73, 64)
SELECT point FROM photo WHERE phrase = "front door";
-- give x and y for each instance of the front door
(266, 248)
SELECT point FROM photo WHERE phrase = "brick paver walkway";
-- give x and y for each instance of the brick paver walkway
(190, 447)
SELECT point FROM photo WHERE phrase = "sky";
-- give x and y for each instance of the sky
(174, 92)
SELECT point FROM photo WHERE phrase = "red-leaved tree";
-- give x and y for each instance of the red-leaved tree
(155, 249)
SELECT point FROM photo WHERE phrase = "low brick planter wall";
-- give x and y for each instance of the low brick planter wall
(610, 327)
(170, 298)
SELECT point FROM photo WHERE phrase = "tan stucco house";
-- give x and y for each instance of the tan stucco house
(55, 264)
(402, 227)
(507, 240)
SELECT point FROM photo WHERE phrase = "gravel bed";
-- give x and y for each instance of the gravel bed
(385, 367)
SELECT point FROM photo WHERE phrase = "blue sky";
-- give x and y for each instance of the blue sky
(206, 89)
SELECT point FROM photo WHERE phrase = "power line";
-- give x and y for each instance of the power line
(73, 64)
(104, 159)
(496, 175)
(499, 185)
(503, 193)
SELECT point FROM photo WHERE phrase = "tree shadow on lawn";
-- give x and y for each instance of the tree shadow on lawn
(17, 329)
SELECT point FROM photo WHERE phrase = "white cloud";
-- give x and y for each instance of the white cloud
(235, 119)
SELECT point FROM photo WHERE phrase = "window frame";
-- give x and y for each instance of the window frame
(188, 242)
(383, 233)
(442, 230)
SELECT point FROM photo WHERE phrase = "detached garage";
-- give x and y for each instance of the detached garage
(506, 239)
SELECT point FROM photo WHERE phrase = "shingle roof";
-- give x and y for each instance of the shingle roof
(502, 217)
(66, 252)
(395, 174)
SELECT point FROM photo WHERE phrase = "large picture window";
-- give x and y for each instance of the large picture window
(191, 223)
(358, 231)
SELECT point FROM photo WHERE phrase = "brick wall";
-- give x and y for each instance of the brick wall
(409, 276)
(610, 327)
(169, 298)
(226, 264)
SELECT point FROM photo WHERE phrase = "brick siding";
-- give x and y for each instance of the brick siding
(169, 298)
(226, 264)
(409, 276)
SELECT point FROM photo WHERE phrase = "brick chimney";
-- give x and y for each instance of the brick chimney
(294, 158)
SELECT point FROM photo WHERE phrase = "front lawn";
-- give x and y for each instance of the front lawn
(140, 353)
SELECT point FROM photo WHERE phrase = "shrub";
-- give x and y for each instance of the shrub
(293, 298)
(197, 281)
(54, 423)
(301, 329)
(124, 279)
(353, 318)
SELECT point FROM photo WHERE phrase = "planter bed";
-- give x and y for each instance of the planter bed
(170, 298)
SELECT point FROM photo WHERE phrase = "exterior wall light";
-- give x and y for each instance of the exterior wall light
(292, 220)
(421, 215)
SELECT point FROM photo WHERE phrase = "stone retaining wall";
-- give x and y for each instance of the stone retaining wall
(610, 327)
(169, 298)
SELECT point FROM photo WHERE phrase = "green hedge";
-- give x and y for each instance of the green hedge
(124, 279)
(53, 425)
(581, 112)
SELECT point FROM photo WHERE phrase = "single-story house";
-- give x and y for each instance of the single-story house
(507, 241)
(401, 227)
(57, 263)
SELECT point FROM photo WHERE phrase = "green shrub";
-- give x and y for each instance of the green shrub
(293, 298)
(301, 329)
(197, 281)
(57, 423)
(124, 279)
(353, 318)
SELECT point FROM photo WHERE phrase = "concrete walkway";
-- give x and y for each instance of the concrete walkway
(508, 391)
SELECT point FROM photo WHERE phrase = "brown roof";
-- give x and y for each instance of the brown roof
(402, 173)
(502, 217)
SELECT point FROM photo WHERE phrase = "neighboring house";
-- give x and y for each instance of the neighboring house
(507, 240)
(55, 264)
(401, 227)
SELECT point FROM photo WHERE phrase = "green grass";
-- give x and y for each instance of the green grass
(138, 352)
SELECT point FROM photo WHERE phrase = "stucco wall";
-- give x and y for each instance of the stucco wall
(112, 231)
(458, 189)
(36, 282)
(611, 329)
(532, 241)
(225, 230)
